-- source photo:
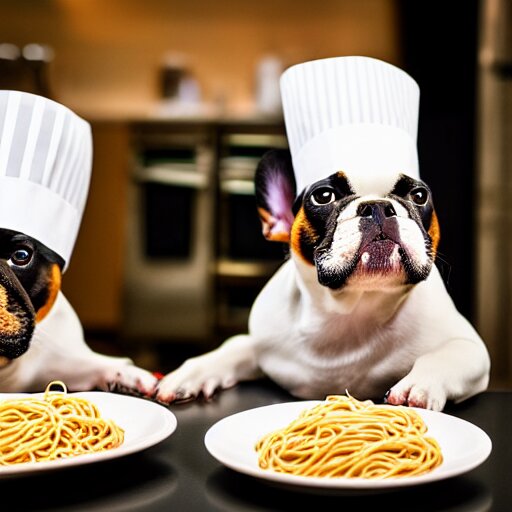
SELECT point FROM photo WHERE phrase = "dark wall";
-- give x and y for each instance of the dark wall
(440, 52)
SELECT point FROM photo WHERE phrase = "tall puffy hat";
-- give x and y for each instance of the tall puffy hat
(45, 169)
(353, 114)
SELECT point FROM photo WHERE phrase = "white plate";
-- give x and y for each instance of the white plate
(231, 441)
(144, 423)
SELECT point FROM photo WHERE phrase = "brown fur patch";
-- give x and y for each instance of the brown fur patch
(435, 233)
(303, 236)
(53, 290)
(9, 323)
(268, 223)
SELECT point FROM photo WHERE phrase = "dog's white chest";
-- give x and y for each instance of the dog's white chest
(312, 367)
(313, 349)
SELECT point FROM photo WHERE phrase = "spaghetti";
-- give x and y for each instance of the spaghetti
(343, 437)
(55, 426)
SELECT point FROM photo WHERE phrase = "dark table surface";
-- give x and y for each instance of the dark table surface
(179, 474)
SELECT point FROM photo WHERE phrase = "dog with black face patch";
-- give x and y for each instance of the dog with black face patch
(29, 280)
(385, 240)
(359, 306)
(41, 337)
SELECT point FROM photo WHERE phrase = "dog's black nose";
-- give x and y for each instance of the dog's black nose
(378, 210)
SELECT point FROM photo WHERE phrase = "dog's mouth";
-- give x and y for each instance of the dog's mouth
(380, 255)
(379, 259)
(379, 262)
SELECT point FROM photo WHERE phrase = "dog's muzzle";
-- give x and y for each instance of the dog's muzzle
(376, 243)
(380, 243)
(17, 316)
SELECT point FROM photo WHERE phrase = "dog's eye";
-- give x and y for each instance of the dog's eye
(323, 196)
(419, 195)
(21, 256)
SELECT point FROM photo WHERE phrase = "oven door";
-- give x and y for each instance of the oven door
(168, 277)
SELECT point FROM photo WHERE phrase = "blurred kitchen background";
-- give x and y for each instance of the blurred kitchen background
(183, 99)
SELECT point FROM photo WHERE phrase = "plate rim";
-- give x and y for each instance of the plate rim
(167, 425)
(340, 482)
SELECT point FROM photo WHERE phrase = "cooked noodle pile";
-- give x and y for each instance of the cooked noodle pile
(55, 426)
(343, 437)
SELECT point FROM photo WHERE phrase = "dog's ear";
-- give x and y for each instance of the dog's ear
(275, 193)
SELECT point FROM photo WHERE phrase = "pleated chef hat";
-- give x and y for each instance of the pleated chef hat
(353, 114)
(45, 169)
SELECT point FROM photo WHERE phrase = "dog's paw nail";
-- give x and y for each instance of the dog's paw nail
(181, 395)
(386, 396)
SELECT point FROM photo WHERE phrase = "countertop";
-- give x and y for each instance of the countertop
(179, 474)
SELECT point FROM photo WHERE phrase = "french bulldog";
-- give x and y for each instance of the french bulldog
(41, 336)
(358, 306)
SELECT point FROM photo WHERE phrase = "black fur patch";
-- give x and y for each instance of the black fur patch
(25, 275)
(320, 219)
(18, 319)
(402, 193)
(34, 276)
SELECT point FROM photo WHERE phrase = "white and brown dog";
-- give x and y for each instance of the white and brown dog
(358, 307)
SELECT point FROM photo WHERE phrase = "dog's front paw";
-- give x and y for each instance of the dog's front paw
(426, 395)
(201, 375)
(130, 380)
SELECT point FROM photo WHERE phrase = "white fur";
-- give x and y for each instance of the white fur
(375, 334)
(58, 351)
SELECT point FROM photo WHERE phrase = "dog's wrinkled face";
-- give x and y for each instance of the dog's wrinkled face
(369, 240)
(29, 282)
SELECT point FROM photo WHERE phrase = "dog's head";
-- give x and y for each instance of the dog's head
(30, 276)
(354, 234)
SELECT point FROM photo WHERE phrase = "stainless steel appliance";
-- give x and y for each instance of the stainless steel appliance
(169, 255)
(195, 255)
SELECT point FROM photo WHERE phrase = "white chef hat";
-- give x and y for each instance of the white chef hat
(353, 114)
(45, 169)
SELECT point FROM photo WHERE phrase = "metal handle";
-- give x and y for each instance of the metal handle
(179, 177)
